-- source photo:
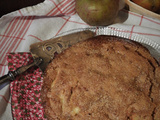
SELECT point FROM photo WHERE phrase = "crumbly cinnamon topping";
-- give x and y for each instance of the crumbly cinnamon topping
(102, 78)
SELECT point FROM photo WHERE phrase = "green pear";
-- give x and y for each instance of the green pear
(97, 12)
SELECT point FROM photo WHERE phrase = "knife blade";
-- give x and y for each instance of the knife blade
(44, 52)
(48, 49)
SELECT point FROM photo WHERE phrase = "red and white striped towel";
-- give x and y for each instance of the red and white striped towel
(23, 27)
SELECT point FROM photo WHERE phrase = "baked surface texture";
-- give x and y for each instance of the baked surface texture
(102, 78)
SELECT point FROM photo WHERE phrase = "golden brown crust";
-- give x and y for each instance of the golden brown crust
(102, 78)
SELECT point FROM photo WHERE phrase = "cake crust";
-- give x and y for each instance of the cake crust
(104, 77)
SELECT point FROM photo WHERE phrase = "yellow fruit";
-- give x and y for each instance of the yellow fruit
(152, 5)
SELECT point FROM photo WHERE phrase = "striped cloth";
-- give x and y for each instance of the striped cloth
(23, 27)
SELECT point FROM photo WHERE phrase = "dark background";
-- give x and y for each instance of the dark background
(7, 6)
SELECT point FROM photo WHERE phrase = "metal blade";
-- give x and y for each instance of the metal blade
(47, 49)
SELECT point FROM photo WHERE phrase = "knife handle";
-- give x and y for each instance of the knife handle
(10, 76)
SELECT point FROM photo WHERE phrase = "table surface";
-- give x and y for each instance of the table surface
(16, 5)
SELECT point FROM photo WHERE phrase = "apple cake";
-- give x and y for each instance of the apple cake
(102, 78)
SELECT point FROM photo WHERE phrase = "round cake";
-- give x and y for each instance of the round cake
(102, 78)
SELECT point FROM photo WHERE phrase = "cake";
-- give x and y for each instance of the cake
(102, 78)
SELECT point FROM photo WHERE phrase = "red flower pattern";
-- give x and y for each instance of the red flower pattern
(25, 90)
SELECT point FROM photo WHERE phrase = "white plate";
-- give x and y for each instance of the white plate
(152, 46)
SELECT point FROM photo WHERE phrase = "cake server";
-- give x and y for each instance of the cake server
(44, 52)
